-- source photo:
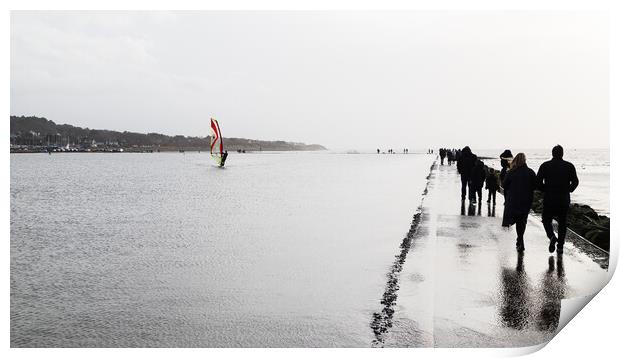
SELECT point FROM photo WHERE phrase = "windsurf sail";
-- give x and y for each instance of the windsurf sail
(217, 142)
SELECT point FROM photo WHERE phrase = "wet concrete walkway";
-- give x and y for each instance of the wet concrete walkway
(463, 284)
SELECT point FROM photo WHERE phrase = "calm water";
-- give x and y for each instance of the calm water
(168, 250)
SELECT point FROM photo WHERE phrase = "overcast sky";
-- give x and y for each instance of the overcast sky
(347, 80)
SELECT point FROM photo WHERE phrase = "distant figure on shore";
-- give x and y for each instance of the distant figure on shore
(478, 175)
(378, 151)
(442, 154)
(492, 184)
(557, 178)
(223, 160)
(450, 156)
(464, 166)
(519, 185)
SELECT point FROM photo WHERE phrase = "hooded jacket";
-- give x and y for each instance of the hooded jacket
(466, 162)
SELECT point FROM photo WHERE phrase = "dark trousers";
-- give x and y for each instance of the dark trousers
(472, 190)
(520, 225)
(559, 213)
(492, 195)
(479, 193)
(441, 160)
(464, 183)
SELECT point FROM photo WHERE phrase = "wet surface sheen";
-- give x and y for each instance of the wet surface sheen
(165, 249)
(464, 285)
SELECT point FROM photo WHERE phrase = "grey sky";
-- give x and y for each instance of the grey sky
(342, 79)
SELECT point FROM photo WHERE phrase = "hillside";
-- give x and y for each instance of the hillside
(37, 131)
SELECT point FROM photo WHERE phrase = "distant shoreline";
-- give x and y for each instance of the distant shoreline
(38, 134)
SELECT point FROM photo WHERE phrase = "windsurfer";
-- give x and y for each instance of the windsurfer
(224, 156)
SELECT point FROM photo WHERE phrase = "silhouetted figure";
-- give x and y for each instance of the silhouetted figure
(505, 160)
(492, 184)
(557, 178)
(442, 154)
(450, 155)
(224, 156)
(464, 166)
(378, 151)
(519, 186)
(478, 175)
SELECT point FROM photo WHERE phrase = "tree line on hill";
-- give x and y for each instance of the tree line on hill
(39, 131)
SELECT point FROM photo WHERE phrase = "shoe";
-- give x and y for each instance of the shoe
(552, 242)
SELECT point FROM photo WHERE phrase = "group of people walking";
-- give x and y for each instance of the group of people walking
(451, 154)
(556, 179)
(474, 176)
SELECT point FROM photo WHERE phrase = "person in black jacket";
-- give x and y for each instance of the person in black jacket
(492, 184)
(478, 175)
(557, 178)
(505, 160)
(450, 156)
(520, 182)
(442, 154)
(464, 166)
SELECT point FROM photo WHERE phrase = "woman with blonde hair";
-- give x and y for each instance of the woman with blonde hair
(519, 185)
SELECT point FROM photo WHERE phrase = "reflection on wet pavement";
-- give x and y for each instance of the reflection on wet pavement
(464, 284)
(516, 301)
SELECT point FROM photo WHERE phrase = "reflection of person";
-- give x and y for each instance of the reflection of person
(552, 294)
(557, 178)
(519, 183)
(515, 309)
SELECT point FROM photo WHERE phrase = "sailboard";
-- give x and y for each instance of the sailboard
(217, 143)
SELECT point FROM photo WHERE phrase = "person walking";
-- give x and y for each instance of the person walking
(519, 185)
(464, 166)
(557, 178)
(505, 160)
(442, 154)
(450, 156)
(492, 184)
(478, 175)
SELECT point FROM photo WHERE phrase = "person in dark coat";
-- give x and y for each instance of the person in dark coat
(478, 175)
(504, 160)
(464, 166)
(450, 155)
(519, 185)
(557, 178)
(492, 184)
(442, 154)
